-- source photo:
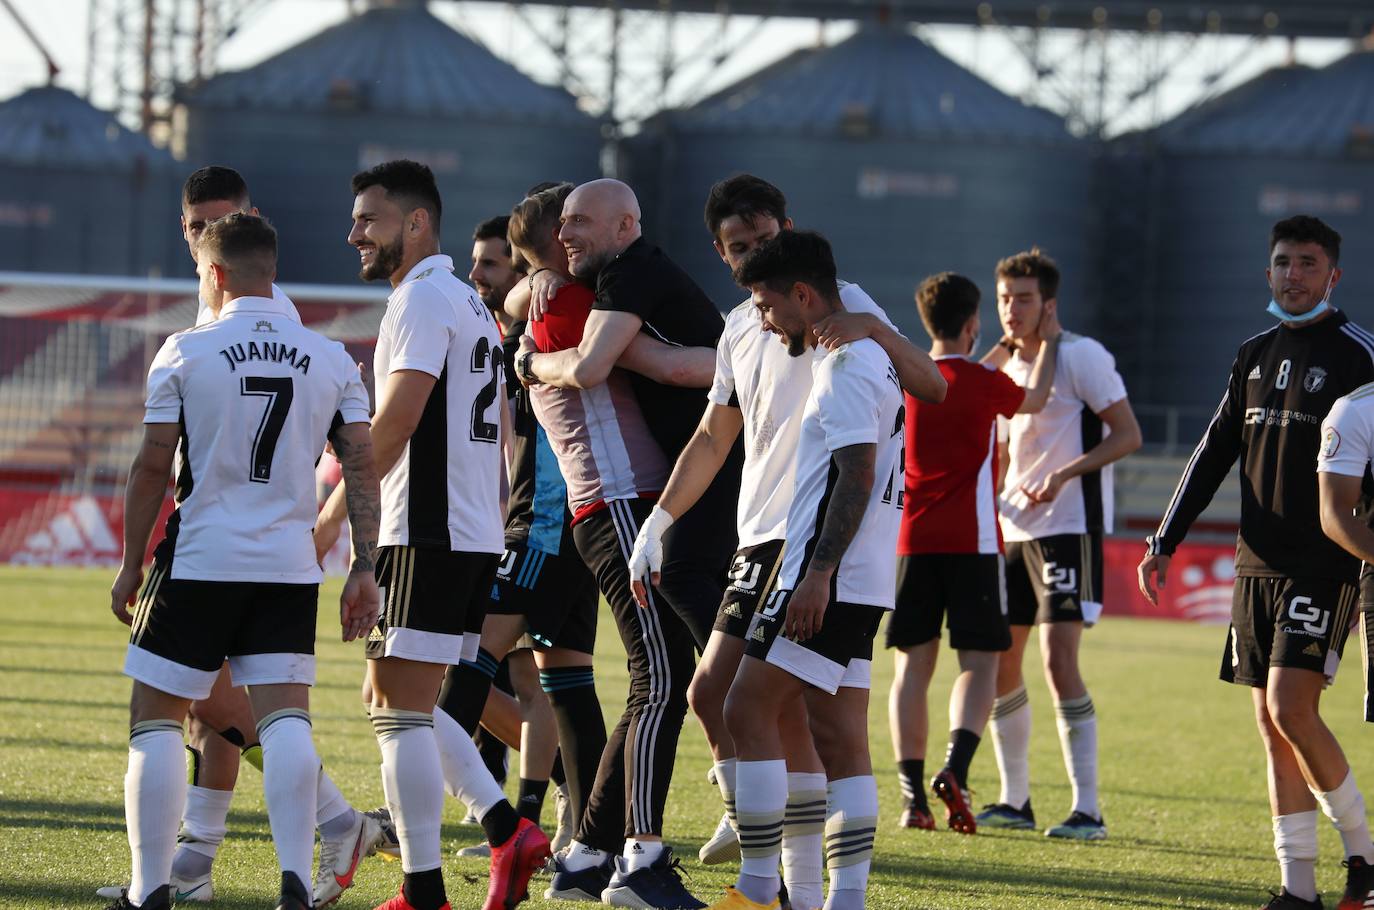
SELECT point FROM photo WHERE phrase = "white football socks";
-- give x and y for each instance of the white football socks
(465, 774)
(330, 804)
(1011, 730)
(1077, 722)
(154, 796)
(725, 779)
(1345, 807)
(290, 781)
(205, 821)
(761, 803)
(414, 783)
(1295, 842)
(803, 834)
(849, 829)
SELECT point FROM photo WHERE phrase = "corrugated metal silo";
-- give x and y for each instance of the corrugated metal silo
(79, 192)
(391, 82)
(909, 163)
(1292, 141)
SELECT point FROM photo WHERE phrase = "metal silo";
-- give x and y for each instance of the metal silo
(909, 163)
(1292, 141)
(391, 82)
(79, 192)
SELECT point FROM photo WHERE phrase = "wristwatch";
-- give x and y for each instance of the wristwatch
(523, 367)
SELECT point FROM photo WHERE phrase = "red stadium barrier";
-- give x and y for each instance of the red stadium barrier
(43, 528)
(1199, 588)
(46, 528)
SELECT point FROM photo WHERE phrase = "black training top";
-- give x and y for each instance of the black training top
(642, 280)
(1283, 383)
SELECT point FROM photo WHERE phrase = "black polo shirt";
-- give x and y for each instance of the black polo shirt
(642, 280)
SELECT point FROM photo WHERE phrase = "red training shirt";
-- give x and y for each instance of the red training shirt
(951, 462)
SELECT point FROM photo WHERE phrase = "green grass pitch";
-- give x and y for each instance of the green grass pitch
(1182, 776)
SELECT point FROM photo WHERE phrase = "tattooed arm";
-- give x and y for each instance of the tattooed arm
(142, 501)
(848, 502)
(360, 600)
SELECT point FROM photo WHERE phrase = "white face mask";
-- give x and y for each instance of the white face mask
(1288, 318)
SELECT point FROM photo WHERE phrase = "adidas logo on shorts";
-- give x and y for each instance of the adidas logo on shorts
(732, 609)
(1313, 650)
(757, 634)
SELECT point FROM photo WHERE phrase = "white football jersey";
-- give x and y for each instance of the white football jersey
(256, 394)
(855, 399)
(1348, 435)
(1086, 383)
(445, 490)
(204, 314)
(755, 373)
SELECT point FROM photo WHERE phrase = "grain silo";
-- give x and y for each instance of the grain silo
(79, 192)
(909, 163)
(1292, 141)
(391, 82)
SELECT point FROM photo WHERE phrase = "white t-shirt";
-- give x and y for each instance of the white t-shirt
(855, 399)
(1086, 383)
(445, 490)
(755, 373)
(256, 394)
(1348, 434)
(204, 314)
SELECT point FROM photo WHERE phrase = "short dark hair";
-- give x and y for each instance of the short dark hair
(746, 196)
(409, 184)
(1307, 229)
(243, 242)
(947, 302)
(1035, 264)
(215, 183)
(533, 219)
(791, 257)
(494, 229)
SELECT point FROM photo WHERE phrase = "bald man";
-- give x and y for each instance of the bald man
(637, 290)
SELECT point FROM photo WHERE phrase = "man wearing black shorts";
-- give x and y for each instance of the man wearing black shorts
(813, 638)
(437, 432)
(235, 577)
(949, 555)
(544, 595)
(1295, 591)
(1056, 502)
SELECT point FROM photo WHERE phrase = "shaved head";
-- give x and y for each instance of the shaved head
(600, 220)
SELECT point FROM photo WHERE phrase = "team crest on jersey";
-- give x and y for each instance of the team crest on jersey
(1314, 380)
(1332, 443)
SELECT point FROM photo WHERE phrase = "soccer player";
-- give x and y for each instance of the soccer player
(1343, 467)
(949, 555)
(758, 391)
(1295, 590)
(613, 467)
(543, 590)
(813, 638)
(1056, 502)
(221, 727)
(249, 400)
(437, 437)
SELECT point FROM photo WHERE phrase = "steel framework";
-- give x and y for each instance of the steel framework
(1101, 64)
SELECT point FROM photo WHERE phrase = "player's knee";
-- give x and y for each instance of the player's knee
(1294, 718)
(705, 695)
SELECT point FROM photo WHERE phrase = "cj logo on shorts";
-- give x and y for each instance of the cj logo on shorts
(1062, 580)
(744, 575)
